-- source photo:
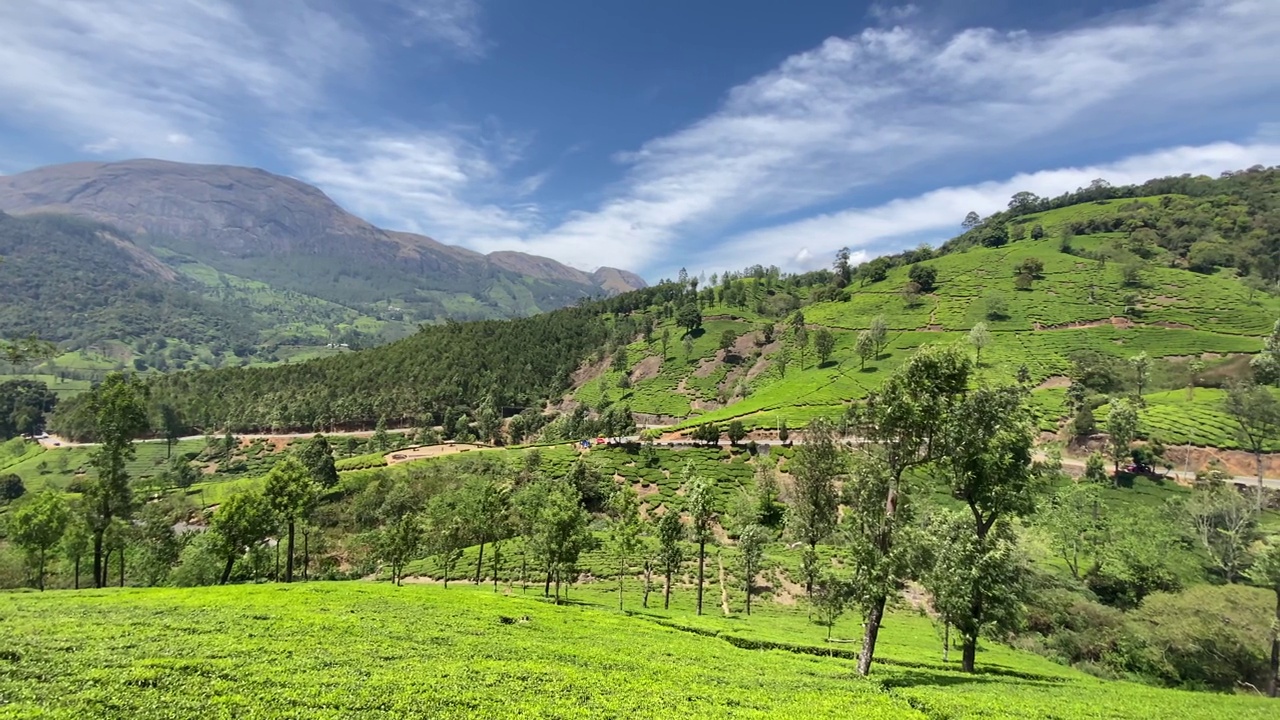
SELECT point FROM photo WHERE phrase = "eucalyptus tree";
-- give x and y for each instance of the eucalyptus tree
(119, 414)
(670, 553)
(698, 499)
(817, 465)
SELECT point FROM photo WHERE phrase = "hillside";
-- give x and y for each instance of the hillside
(306, 272)
(1118, 292)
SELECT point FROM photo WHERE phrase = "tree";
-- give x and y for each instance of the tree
(1031, 266)
(817, 465)
(171, 425)
(119, 415)
(1037, 232)
(317, 456)
(624, 530)
(398, 543)
(1257, 416)
(1023, 201)
(1194, 368)
(800, 337)
(687, 345)
(899, 424)
(560, 530)
(36, 527)
(1266, 364)
(979, 338)
(445, 531)
(11, 487)
(689, 317)
(783, 434)
(865, 347)
(926, 276)
(829, 598)
(670, 554)
(1122, 429)
(708, 433)
(381, 439)
(485, 507)
(727, 339)
(241, 522)
(666, 341)
(987, 457)
(736, 432)
(879, 330)
(971, 221)
(1225, 523)
(1141, 366)
(1023, 282)
(183, 473)
(996, 307)
(1095, 468)
(1072, 526)
(1266, 573)
(842, 267)
(698, 503)
(75, 543)
(824, 343)
(290, 493)
(751, 542)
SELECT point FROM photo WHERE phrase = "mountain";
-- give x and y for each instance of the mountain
(264, 227)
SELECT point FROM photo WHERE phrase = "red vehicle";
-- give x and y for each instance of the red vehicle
(599, 441)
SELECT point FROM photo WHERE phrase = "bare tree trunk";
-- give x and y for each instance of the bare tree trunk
(288, 558)
(497, 564)
(1261, 487)
(648, 579)
(702, 556)
(1273, 687)
(970, 654)
(666, 591)
(77, 578)
(99, 574)
(869, 636)
(946, 642)
(276, 576)
(41, 578)
(226, 571)
(306, 554)
(546, 588)
(479, 562)
(121, 566)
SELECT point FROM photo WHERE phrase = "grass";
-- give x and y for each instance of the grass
(364, 650)
(1175, 418)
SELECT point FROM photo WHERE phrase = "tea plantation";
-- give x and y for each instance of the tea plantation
(362, 650)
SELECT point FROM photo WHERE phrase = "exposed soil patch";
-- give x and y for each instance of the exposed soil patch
(429, 451)
(646, 369)
(1118, 322)
(1055, 383)
(709, 366)
(706, 405)
(1173, 325)
(589, 372)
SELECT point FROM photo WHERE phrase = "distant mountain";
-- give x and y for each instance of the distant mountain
(253, 224)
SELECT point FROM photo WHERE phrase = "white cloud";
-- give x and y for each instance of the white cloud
(859, 111)
(431, 183)
(453, 23)
(146, 72)
(939, 212)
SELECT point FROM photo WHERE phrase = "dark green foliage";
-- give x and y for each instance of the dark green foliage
(318, 457)
(689, 317)
(11, 487)
(925, 276)
(23, 407)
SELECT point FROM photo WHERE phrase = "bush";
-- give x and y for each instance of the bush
(1205, 637)
(926, 276)
(997, 308)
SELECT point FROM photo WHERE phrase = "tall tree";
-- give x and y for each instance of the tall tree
(689, 317)
(291, 494)
(1073, 525)
(624, 530)
(865, 347)
(901, 424)
(560, 530)
(171, 425)
(75, 543)
(317, 456)
(1141, 366)
(818, 463)
(486, 504)
(445, 532)
(979, 338)
(670, 553)
(1257, 416)
(1266, 573)
(698, 503)
(824, 343)
(241, 522)
(1122, 430)
(398, 543)
(751, 542)
(666, 341)
(879, 331)
(36, 526)
(987, 458)
(1225, 523)
(120, 414)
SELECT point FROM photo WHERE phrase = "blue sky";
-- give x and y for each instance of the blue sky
(659, 134)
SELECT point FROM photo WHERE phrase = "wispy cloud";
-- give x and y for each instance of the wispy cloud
(432, 183)
(811, 243)
(163, 77)
(452, 23)
(870, 108)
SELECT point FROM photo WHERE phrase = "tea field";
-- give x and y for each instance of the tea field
(372, 650)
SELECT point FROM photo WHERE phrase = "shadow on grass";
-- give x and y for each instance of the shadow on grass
(923, 676)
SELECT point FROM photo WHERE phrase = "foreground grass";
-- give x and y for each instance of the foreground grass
(363, 650)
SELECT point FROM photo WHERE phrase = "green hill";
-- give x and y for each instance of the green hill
(1111, 270)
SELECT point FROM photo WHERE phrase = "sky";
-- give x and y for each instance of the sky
(653, 135)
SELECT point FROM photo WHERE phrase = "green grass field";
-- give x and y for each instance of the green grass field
(364, 650)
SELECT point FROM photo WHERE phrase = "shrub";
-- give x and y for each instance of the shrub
(997, 308)
(926, 276)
